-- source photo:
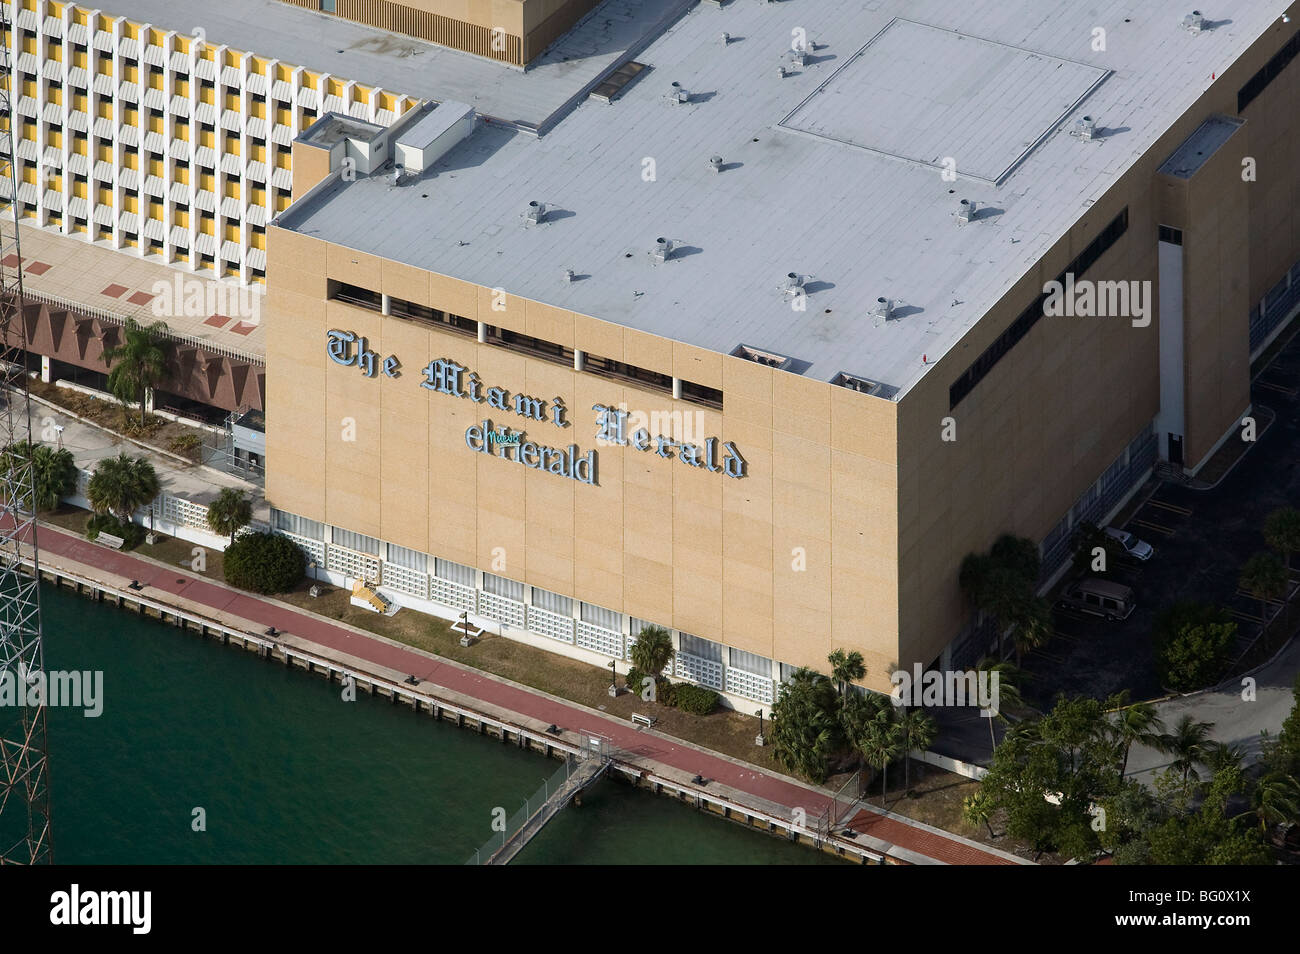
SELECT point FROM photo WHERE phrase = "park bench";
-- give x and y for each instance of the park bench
(644, 720)
(109, 540)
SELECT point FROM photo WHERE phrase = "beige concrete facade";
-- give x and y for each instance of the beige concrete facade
(855, 514)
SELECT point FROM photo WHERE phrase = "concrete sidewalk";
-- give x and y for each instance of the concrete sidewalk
(744, 783)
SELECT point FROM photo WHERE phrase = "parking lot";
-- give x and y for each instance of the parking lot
(1201, 539)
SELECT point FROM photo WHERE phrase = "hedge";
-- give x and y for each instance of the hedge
(264, 563)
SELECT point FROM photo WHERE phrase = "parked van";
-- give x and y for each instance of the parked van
(1100, 597)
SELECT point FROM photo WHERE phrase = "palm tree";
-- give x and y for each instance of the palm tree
(1009, 696)
(1264, 577)
(1275, 799)
(231, 512)
(918, 731)
(881, 744)
(1187, 744)
(121, 485)
(846, 668)
(856, 711)
(805, 727)
(977, 810)
(138, 364)
(1282, 531)
(1031, 624)
(653, 650)
(54, 472)
(1137, 723)
(1220, 756)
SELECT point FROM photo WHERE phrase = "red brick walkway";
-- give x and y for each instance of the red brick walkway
(746, 779)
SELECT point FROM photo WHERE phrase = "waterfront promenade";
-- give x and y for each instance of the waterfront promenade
(899, 838)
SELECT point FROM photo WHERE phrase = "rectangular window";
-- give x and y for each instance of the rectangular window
(604, 618)
(401, 308)
(292, 523)
(1268, 72)
(527, 344)
(411, 559)
(630, 373)
(751, 662)
(355, 295)
(354, 541)
(699, 394)
(454, 572)
(1171, 235)
(1029, 317)
(554, 602)
(698, 646)
(500, 586)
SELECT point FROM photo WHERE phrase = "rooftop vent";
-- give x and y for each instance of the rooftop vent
(966, 211)
(535, 214)
(1085, 128)
(793, 282)
(1194, 22)
(678, 94)
(758, 356)
(855, 383)
(884, 308)
(715, 163)
(781, 71)
(398, 172)
(568, 275)
(662, 251)
(725, 38)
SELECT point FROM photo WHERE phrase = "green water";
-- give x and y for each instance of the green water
(287, 772)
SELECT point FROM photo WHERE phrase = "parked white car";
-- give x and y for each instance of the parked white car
(1138, 549)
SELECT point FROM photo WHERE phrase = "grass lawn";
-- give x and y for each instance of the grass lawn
(935, 796)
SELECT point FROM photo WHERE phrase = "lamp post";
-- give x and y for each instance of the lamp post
(760, 739)
(613, 679)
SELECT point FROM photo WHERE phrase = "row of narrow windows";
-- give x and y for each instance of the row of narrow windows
(526, 344)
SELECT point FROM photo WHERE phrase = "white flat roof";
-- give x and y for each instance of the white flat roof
(855, 198)
(401, 64)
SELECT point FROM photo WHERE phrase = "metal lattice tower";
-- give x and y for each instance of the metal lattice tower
(24, 771)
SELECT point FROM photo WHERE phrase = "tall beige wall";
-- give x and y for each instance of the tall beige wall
(789, 562)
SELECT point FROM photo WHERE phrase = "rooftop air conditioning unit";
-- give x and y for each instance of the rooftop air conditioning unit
(1194, 22)
(966, 211)
(535, 213)
(1085, 128)
(884, 308)
(662, 251)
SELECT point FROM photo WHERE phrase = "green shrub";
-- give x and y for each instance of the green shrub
(264, 563)
(666, 692)
(132, 534)
(1192, 645)
(697, 700)
(634, 678)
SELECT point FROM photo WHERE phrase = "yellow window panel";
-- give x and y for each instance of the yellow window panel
(54, 138)
(104, 196)
(81, 102)
(208, 95)
(131, 73)
(258, 196)
(104, 153)
(258, 240)
(29, 45)
(208, 182)
(181, 87)
(130, 203)
(81, 190)
(29, 175)
(208, 137)
(232, 233)
(156, 167)
(79, 59)
(232, 188)
(156, 124)
(182, 218)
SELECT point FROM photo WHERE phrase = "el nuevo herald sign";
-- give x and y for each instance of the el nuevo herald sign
(447, 377)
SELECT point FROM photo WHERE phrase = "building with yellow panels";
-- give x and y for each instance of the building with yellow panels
(163, 143)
